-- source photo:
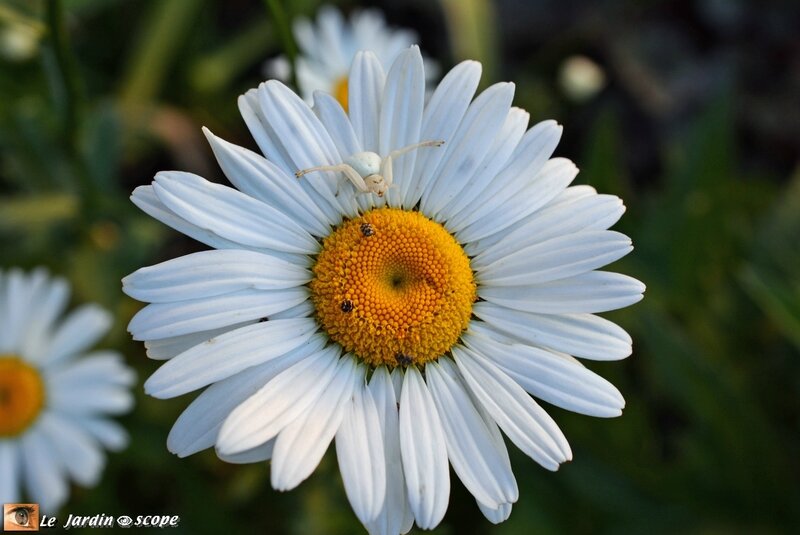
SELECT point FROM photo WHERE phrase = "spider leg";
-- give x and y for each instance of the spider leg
(398, 152)
(351, 174)
(386, 171)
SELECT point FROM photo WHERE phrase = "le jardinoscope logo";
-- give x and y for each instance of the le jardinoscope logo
(25, 517)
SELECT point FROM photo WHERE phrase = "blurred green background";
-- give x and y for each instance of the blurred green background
(697, 128)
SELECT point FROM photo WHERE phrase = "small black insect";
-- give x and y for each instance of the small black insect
(367, 229)
(403, 359)
(262, 320)
(347, 305)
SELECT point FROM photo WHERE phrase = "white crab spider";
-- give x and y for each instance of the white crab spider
(368, 172)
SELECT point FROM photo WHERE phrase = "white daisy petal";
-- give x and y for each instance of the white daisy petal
(582, 335)
(401, 116)
(305, 141)
(441, 118)
(305, 35)
(49, 304)
(360, 452)
(465, 151)
(495, 160)
(42, 471)
(231, 214)
(555, 259)
(484, 468)
(259, 129)
(82, 457)
(551, 180)
(424, 452)
(254, 455)
(91, 399)
(330, 23)
(20, 297)
(549, 230)
(9, 472)
(524, 166)
(227, 354)
(574, 193)
(270, 143)
(166, 348)
(302, 443)
(6, 311)
(595, 291)
(550, 377)
(265, 181)
(527, 425)
(195, 315)
(365, 89)
(211, 273)
(395, 516)
(145, 198)
(198, 426)
(496, 515)
(397, 377)
(107, 432)
(81, 329)
(592, 212)
(96, 368)
(277, 403)
(303, 310)
(335, 120)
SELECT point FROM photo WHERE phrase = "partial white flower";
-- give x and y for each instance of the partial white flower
(327, 48)
(55, 396)
(411, 327)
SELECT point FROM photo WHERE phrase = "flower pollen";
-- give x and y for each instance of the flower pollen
(409, 284)
(21, 395)
(340, 92)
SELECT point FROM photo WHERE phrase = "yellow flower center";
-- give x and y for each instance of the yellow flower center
(393, 287)
(340, 92)
(21, 395)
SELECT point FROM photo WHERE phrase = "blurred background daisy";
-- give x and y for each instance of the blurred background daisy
(327, 46)
(686, 110)
(56, 394)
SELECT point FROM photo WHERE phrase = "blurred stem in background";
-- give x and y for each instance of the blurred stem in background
(215, 72)
(165, 28)
(164, 31)
(275, 8)
(66, 67)
(471, 27)
(66, 84)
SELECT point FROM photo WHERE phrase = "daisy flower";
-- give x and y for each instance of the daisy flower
(410, 327)
(327, 48)
(55, 398)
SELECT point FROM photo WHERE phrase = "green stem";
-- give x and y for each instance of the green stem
(282, 24)
(72, 103)
(155, 53)
(55, 20)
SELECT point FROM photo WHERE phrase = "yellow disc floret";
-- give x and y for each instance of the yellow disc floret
(393, 287)
(340, 92)
(21, 395)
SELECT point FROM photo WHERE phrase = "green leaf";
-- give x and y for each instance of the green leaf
(772, 276)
